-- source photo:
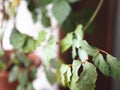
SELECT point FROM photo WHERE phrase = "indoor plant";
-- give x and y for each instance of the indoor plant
(82, 52)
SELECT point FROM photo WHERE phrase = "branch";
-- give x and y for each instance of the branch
(94, 15)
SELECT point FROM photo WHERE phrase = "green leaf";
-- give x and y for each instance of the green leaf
(101, 64)
(20, 87)
(14, 74)
(30, 45)
(22, 59)
(54, 63)
(31, 5)
(46, 22)
(65, 72)
(72, 1)
(43, 3)
(92, 51)
(114, 64)
(82, 55)
(41, 37)
(30, 86)
(67, 42)
(50, 76)
(61, 10)
(87, 78)
(17, 39)
(23, 78)
(78, 32)
(49, 49)
(33, 73)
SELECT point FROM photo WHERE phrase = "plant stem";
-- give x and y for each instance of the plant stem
(94, 15)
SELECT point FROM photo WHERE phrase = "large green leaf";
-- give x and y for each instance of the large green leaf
(55, 63)
(14, 74)
(50, 76)
(17, 39)
(114, 64)
(87, 78)
(61, 9)
(23, 78)
(92, 51)
(67, 42)
(65, 72)
(41, 37)
(30, 45)
(101, 64)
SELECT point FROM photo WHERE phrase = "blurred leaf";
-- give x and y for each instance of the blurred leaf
(30, 86)
(23, 59)
(17, 39)
(71, 22)
(49, 49)
(101, 64)
(34, 16)
(54, 63)
(14, 74)
(50, 76)
(43, 3)
(23, 78)
(20, 87)
(31, 5)
(61, 10)
(33, 72)
(30, 45)
(41, 37)
(67, 42)
(114, 64)
(46, 21)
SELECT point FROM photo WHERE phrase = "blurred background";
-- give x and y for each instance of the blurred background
(106, 35)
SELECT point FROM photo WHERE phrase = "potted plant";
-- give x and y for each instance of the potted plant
(17, 69)
(81, 74)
